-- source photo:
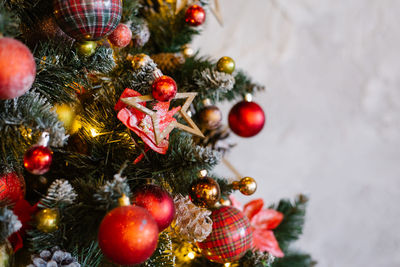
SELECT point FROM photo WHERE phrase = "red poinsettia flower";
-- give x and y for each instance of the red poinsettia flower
(141, 123)
(262, 223)
(24, 212)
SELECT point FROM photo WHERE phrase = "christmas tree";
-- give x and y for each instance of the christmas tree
(110, 131)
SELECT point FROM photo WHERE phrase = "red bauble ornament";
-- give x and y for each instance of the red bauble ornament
(121, 36)
(164, 88)
(37, 159)
(17, 68)
(195, 15)
(246, 119)
(12, 188)
(230, 238)
(158, 202)
(128, 235)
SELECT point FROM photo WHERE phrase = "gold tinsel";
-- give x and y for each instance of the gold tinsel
(192, 223)
(168, 62)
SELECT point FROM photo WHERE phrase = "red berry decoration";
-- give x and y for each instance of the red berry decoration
(128, 235)
(158, 202)
(37, 159)
(12, 188)
(87, 19)
(231, 236)
(121, 36)
(246, 119)
(164, 88)
(195, 15)
(17, 68)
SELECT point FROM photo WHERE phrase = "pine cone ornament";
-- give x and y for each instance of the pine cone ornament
(168, 62)
(54, 258)
(214, 80)
(61, 191)
(192, 223)
(140, 35)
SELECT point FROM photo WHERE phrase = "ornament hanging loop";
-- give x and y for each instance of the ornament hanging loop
(44, 139)
(248, 97)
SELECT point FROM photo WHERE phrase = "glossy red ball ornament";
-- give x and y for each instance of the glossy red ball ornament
(128, 235)
(12, 188)
(195, 15)
(17, 68)
(246, 119)
(121, 36)
(231, 236)
(164, 88)
(37, 159)
(158, 202)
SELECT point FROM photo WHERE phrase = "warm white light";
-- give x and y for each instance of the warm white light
(227, 264)
(191, 255)
(93, 132)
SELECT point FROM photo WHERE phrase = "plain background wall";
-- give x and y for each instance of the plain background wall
(331, 69)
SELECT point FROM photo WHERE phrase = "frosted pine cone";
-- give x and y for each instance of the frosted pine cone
(192, 223)
(141, 35)
(54, 258)
(61, 191)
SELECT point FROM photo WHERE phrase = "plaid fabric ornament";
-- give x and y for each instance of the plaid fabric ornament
(231, 236)
(87, 19)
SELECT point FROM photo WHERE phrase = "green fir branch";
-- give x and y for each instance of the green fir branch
(294, 259)
(163, 255)
(90, 256)
(292, 224)
(22, 120)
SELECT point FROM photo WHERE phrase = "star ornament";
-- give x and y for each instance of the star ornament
(137, 102)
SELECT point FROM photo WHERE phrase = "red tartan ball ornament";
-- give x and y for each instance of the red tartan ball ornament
(17, 68)
(158, 202)
(195, 15)
(246, 119)
(128, 235)
(87, 19)
(121, 36)
(231, 236)
(37, 159)
(164, 88)
(12, 188)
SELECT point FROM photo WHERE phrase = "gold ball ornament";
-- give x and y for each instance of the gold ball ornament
(226, 64)
(47, 220)
(210, 117)
(205, 192)
(247, 186)
(86, 48)
(187, 51)
(66, 114)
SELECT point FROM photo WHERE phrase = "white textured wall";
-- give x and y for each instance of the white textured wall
(333, 106)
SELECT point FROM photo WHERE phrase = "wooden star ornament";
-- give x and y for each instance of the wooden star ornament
(136, 103)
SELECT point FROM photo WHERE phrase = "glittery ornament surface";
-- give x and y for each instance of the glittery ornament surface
(192, 223)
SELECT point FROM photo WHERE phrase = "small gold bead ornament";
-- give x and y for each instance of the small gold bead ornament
(247, 186)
